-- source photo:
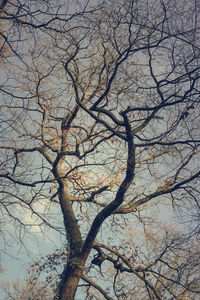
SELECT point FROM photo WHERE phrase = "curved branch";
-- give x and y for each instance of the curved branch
(119, 198)
(131, 269)
(96, 286)
(160, 191)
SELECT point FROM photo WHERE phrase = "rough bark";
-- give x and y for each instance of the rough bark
(70, 279)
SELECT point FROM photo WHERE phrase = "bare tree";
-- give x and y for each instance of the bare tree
(161, 264)
(26, 289)
(100, 118)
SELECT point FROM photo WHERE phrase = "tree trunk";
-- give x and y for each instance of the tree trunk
(70, 278)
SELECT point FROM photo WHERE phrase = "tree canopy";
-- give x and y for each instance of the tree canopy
(100, 141)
